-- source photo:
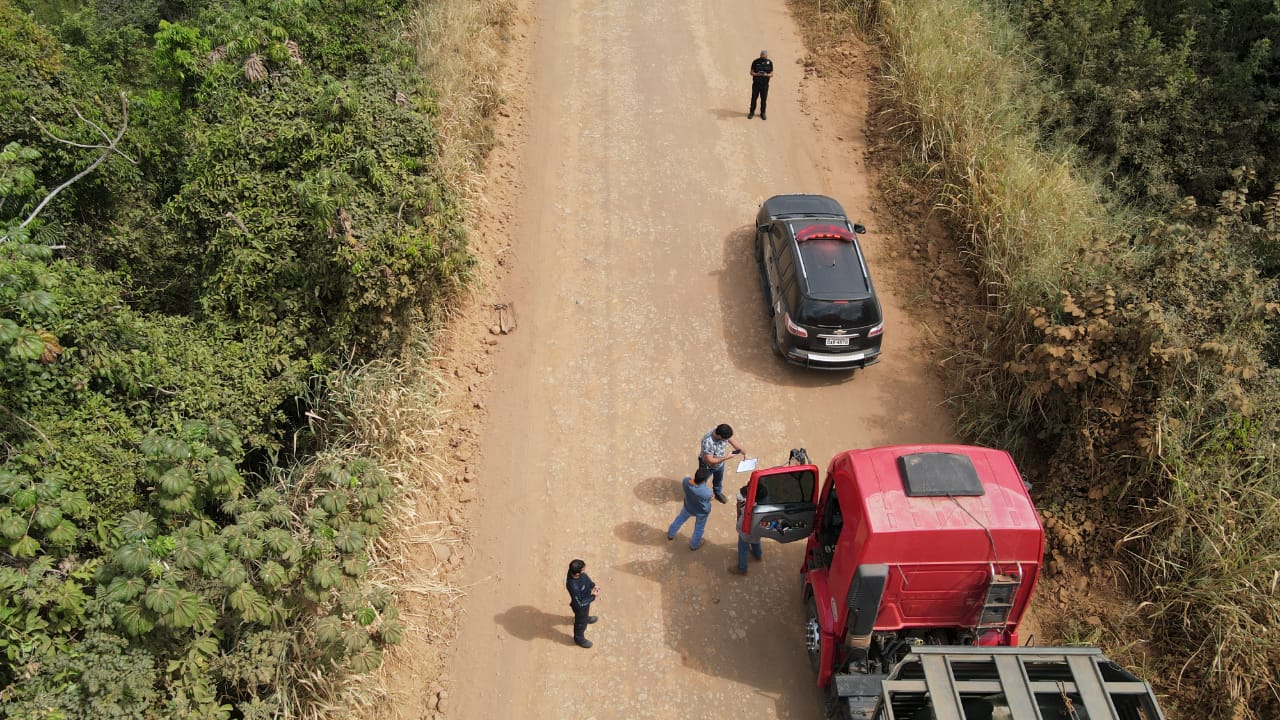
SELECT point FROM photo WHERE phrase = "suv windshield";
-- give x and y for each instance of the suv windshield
(844, 313)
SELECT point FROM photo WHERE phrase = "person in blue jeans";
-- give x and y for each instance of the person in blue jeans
(746, 543)
(713, 453)
(697, 505)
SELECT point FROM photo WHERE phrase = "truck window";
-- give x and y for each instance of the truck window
(832, 524)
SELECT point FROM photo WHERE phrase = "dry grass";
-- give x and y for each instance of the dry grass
(1032, 218)
(1039, 232)
(389, 412)
(460, 49)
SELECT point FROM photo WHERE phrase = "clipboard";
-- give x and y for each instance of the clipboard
(747, 465)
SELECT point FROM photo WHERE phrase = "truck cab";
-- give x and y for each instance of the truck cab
(920, 562)
(906, 546)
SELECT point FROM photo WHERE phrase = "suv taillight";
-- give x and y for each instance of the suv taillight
(793, 328)
(878, 329)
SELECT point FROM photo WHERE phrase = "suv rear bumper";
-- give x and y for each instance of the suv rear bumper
(833, 361)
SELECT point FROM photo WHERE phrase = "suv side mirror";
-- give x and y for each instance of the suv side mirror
(859, 229)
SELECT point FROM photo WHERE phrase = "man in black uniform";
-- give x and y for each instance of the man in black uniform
(761, 71)
(582, 592)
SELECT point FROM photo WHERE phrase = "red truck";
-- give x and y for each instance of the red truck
(920, 562)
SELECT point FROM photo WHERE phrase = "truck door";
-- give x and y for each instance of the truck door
(780, 503)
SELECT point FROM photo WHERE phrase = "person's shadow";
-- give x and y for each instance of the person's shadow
(529, 623)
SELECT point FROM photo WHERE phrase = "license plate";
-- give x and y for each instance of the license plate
(837, 342)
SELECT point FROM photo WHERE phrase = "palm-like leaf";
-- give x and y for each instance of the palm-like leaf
(185, 612)
(74, 503)
(46, 517)
(273, 575)
(136, 525)
(135, 620)
(11, 482)
(176, 480)
(12, 525)
(160, 598)
(334, 502)
(64, 535)
(326, 574)
(24, 547)
(24, 499)
(134, 557)
(188, 551)
(365, 660)
(348, 540)
(329, 630)
(391, 632)
(123, 588)
(233, 575)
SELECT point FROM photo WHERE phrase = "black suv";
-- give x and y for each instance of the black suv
(824, 307)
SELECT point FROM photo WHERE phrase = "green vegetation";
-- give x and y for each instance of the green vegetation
(179, 536)
(1135, 334)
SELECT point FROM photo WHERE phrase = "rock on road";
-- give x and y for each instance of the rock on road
(641, 327)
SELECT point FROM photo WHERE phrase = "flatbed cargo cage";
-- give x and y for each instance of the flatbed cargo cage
(998, 683)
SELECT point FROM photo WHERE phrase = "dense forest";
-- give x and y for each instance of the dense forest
(206, 208)
(1113, 172)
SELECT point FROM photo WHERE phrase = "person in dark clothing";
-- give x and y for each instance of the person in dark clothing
(582, 592)
(761, 71)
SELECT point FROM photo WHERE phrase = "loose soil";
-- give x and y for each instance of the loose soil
(618, 317)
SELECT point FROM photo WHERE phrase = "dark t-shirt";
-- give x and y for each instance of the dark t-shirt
(761, 65)
(579, 589)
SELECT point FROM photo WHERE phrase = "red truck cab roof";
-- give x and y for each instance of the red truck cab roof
(945, 519)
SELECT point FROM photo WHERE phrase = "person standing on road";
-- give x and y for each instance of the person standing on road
(712, 456)
(746, 543)
(582, 592)
(697, 505)
(761, 71)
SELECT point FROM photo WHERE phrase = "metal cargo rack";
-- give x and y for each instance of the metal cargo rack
(990, 683)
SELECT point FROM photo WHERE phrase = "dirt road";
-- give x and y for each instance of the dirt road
(641, 327)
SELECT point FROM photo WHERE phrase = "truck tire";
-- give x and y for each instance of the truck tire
(813, 635)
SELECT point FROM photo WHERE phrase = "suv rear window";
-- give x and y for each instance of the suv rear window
(832, 268)
(851, 313)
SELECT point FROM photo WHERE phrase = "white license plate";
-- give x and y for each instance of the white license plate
(837, 342)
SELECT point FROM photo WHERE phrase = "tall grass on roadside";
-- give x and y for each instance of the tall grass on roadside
(1135, 368)
(388, 411)
(460, 50)
(954, 71)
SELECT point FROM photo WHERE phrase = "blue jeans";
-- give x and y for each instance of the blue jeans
(699, 524)
(717, 475)
(743, 546)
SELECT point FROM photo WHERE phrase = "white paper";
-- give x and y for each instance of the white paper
(747, 465)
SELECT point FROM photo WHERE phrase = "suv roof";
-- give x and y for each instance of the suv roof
(830, 262)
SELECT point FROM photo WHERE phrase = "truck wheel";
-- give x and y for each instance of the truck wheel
(813, 635)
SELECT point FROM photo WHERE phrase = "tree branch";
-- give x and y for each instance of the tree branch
(109, 149)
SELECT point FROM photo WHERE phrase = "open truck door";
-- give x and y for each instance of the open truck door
(781, 503)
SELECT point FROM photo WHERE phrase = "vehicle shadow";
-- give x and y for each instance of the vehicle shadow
(743, 629)
(528, 623)
(747, 322)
